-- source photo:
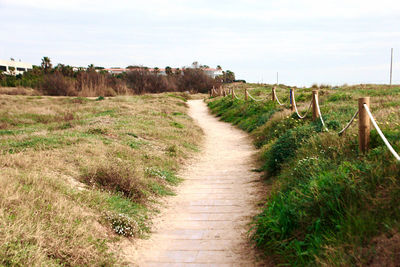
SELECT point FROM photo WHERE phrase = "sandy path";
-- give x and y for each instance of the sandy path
(206, 223)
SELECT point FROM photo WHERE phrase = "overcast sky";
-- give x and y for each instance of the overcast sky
(312, 41)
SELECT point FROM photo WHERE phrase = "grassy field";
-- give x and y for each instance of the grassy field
(79, 174)
(330, 204)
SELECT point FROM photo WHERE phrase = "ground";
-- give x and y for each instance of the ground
(207, 222)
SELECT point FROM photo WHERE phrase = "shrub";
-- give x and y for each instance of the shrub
(123, 224)
(56, 84)
(117, 177)
(285, 148)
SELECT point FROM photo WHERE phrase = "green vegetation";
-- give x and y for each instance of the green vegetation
(80, 174)
(330, 204)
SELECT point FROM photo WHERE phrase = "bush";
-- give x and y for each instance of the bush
(285, 148)
(115, 177)
(56, 84)
(123, 224)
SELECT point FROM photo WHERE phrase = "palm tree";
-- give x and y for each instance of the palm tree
(168, 70)
(46, 64)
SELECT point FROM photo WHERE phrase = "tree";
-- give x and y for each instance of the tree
(46, 64)
(11, 70)
(229, 76)
(195, 64)
(219, 67)
(178, 72)
(156, 70)
(66, 70)
(168, 70)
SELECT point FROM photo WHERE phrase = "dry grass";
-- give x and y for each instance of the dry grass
(74, 171)
(18, 91)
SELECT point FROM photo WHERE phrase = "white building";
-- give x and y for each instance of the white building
(212, 72)
(11, 67)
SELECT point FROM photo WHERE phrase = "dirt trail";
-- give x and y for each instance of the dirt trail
(206, 223)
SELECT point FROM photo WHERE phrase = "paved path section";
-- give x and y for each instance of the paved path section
(206, 223)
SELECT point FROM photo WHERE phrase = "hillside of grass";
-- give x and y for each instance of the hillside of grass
(329, 204)
(80, 174)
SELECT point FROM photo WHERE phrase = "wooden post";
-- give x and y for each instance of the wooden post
(364, 126)
(273, 93)
(224, 93)
(292, 99)
(246, 96)
(233, 96)
(315, 114)
(391, 66)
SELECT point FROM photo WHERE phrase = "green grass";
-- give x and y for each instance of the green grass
(328, 201)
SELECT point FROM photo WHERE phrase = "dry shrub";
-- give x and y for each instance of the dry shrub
(139, 80)
(68, 116)
(195, 80)
(92, 83)
(117, 177)
(18, 91)
(3, 125)
(56, 84)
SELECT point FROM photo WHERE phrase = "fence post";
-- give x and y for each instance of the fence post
(315, 114)
(364, 126)
(246, 96)
(233, 96)
(224, 93)
(273, 94)
(291, 100)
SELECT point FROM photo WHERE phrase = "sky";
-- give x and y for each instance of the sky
(305, 41)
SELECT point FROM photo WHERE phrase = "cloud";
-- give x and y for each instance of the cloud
(306, 41)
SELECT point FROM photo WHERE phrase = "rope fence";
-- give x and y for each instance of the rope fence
(319, 113)
(363, 112)
(380, 133)
(348, 124)
(253, 97)
(295, 106)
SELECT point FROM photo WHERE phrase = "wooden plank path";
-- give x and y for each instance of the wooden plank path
(206, 223)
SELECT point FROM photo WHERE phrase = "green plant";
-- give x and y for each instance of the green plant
(122, 224)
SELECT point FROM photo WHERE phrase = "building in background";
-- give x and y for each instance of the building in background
(161, 71)
(212, 72)
(12, 67)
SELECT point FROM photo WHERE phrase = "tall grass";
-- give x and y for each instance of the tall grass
(330, 204)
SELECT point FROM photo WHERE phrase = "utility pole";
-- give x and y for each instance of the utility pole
(277, 78)
(391, 67)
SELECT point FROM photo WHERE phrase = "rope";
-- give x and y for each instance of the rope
(295, 107)
(319, 113)
(381, 134)
(348, 124)
(253, 97)
(234, 94)
(277, 100)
